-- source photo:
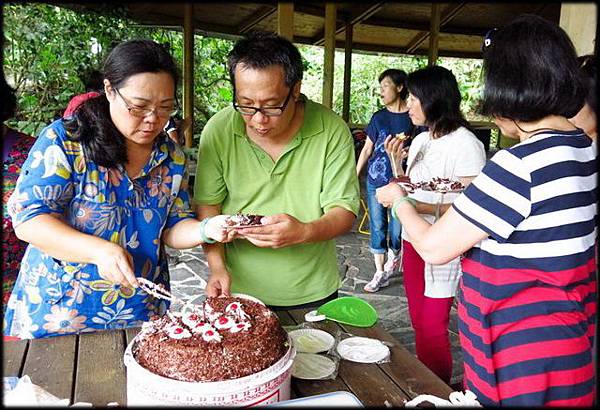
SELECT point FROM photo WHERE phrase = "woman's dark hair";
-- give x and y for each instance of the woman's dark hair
(530, 71)
(398, 77)
(261, 49)
(589, 74)
(102, 142)
(93, 80)
(9, 98)
(437, 90)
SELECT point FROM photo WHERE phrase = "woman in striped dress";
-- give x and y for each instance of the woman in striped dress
(526, 226)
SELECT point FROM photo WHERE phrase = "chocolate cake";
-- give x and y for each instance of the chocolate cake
(240, 219)
(404, 182)
(436, 184)
(400, 179)
(442, 185)
(228, 338)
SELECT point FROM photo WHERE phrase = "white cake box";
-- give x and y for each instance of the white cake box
(271, 385)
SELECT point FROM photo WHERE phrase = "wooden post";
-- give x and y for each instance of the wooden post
(347, 73)
(436, 12)
(329, 55)
(188, 73)
(579, 20)
(285, 20)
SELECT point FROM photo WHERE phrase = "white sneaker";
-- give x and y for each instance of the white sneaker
(393, 263)
(380, 280)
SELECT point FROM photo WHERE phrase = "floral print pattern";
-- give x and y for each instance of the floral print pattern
(63, 320)
(53, 297)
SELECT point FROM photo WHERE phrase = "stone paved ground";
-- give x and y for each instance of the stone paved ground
(189, 273)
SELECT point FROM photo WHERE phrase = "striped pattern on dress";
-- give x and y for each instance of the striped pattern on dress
(527, 298)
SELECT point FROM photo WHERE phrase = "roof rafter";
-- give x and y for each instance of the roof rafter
(256, 18)
(365, 48)
(448, 15)
(386, 23)
(358, 18)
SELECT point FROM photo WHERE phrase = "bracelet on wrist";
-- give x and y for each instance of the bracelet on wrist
(398, 201)
(203, 236)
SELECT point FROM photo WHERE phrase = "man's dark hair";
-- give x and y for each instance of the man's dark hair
(262, 49)
(589, 75)
(530, 71)
(92, 124)
(437, 90)
(398, 77)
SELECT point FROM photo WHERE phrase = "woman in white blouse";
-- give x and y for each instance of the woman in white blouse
(448, 150)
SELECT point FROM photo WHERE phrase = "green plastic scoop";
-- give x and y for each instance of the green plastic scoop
(349, 310)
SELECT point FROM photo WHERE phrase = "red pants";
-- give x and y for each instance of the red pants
(429, 316)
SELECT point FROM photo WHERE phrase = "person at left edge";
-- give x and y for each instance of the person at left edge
(97, 199)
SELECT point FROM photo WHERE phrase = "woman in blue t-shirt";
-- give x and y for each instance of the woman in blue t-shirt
(391, 120)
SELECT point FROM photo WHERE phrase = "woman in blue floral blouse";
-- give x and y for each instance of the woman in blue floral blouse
(98, 197)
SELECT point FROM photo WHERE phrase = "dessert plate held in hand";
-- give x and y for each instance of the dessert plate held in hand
(441, 185)
(240, 221)
(311, 340)
(404, 182)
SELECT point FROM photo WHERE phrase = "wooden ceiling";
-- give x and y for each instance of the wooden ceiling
(389, 27)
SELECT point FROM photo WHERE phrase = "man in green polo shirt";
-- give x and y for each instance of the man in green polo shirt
(276, 153)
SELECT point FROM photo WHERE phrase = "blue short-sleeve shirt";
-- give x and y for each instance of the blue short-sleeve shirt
(382, 124)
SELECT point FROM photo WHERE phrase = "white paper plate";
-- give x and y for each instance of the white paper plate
(362, 350)
(312, 366)
(241, 226)
(311, 340)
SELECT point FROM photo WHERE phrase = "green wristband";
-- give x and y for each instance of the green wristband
(397, 202)
(203, 236)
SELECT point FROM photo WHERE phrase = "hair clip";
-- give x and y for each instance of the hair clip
(586, 60)
(487, 39)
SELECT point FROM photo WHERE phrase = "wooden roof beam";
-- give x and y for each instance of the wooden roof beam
(386, 23)
(367, 48)
(372, 48)
(256, 18)
(449, 14)
(341, 27)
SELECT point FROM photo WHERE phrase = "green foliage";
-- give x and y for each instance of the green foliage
(49, 49)
(364, 93)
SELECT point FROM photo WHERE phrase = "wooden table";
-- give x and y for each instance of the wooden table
(89, 367)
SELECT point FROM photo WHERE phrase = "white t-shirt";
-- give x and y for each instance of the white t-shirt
(457, 154)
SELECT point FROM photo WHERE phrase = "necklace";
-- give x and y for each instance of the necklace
(535, 131)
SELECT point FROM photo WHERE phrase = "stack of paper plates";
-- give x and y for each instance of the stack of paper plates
(312, 366)
(311, 340)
